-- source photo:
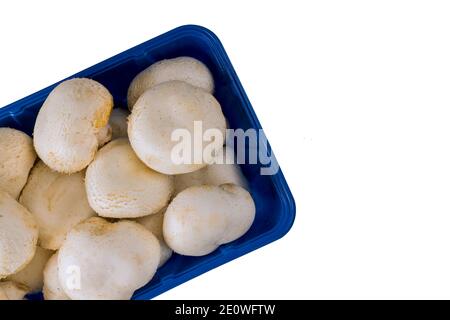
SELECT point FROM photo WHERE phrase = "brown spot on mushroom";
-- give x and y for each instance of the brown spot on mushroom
(65, 132)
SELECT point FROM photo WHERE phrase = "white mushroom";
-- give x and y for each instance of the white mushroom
(224, 170)
(119, 185)
(33, 274)
(101, 260)
(17, 157)
(163, 109)
(199, 219)
(154, 224)
(104, 135)
(10, 290)
(119, 123)
(18, 236)
(185, 69)
(57, 201)
(52, 288)
(66, 129)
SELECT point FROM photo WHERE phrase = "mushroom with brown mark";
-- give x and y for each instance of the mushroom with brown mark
(69, 124)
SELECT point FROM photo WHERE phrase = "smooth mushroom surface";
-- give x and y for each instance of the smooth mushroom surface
(220, 172)
(165, 109)
(101, 260)
(18, 235)
(119, 123)
(154, 224)
(33, 274)
(185, 69)
(57, 201)
(17, 157)
(68, 124)
(119, 185)
(9, 290)
(201, 218)
(52, 288)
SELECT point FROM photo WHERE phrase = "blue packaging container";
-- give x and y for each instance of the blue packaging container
(275, 207)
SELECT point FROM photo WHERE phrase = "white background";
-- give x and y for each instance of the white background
(354, 97)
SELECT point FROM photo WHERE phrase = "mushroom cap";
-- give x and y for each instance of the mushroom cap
(52, 288)
(65, 133)
(119, 185)
(104, 135)
(165, 108)
(18, 236)
(17, 157)
(110, 260)
(154, 224)
(119, 123)
(185, 69)
(33, 274)
(57, 201)
(201, 218)
(10, 290)
(225, 171)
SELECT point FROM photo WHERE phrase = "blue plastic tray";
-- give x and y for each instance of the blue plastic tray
(275, 207)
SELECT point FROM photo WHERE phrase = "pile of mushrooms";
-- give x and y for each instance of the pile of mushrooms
(93, 205)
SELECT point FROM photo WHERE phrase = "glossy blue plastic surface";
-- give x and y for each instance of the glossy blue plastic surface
(275, 207)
